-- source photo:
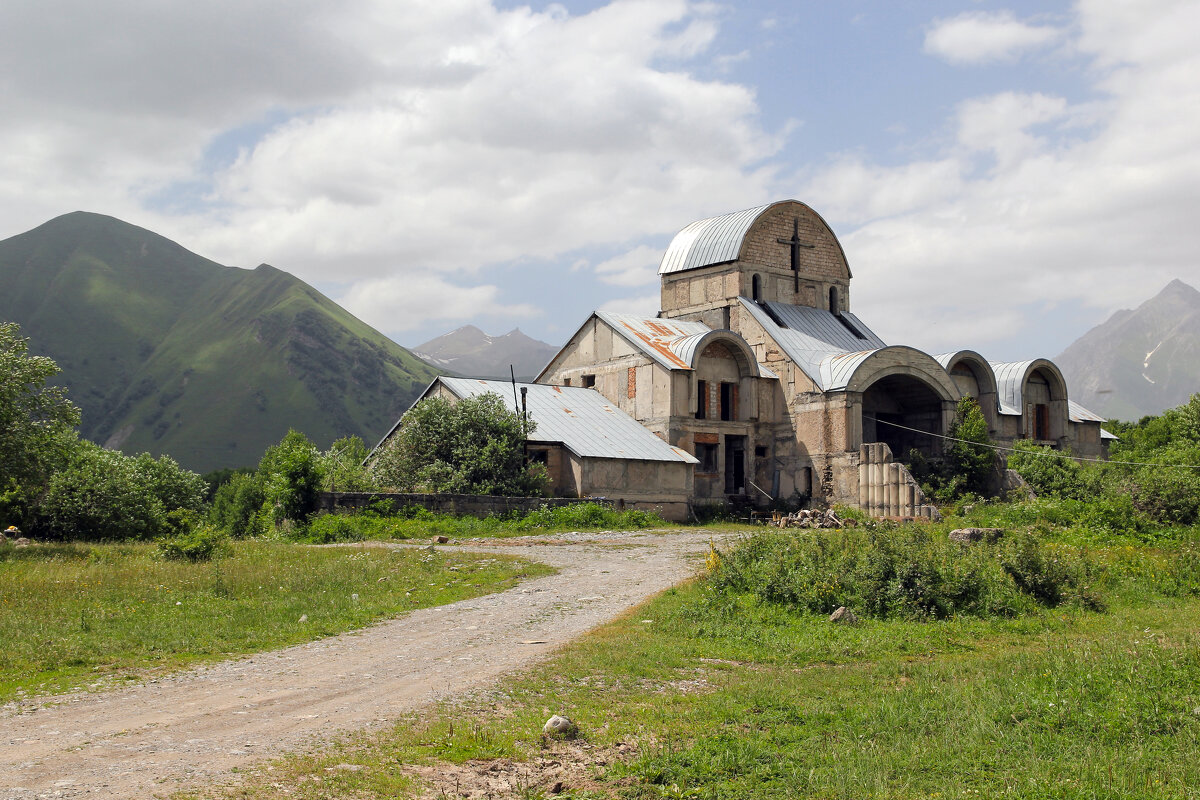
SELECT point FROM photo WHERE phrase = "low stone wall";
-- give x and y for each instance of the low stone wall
(474, 505)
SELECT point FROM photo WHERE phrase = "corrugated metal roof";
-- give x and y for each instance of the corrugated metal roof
(837, 370)
(582, 419)
(1010, 376)
(810, 336)
(715, 240)
(670, 342)
(1077, 413)
(655, 337)
(685, 347)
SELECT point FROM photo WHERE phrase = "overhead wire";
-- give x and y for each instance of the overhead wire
(1039, 453)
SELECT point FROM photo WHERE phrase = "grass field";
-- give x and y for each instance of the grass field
(76, 615)
(414, 523)
(729, 696)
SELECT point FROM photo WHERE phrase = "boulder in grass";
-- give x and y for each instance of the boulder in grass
(560, 726)
(439, 539)
(973, 535)
(844, 616)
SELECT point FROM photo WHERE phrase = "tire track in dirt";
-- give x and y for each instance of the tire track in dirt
(194, 728)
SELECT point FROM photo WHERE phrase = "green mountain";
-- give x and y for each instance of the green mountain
(167, 352)
(1141, 361)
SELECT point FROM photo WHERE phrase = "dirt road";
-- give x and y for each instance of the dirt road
(195, 727)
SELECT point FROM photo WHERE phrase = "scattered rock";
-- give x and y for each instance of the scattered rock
(557, 788)
(22, 542)
(3, 540)
(345, 768)
(303, 618)
(439, 539)
(972, 535)
(843, 616)
(810, 518)
(560, 726)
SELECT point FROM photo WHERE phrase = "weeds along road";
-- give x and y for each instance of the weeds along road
(194, 728)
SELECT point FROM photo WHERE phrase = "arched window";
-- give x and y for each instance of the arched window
(833, 299)
(756, 289)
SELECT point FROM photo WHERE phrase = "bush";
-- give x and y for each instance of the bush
(201, 543)
(471, 446)
(104, 495)
(1048, 471)
(330, 528)
(237, 507)
(290, 476)
(893, 572)
(1167, 494)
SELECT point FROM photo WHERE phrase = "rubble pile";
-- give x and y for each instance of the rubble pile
(811, 518)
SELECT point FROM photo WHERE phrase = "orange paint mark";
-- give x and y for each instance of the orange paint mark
(658, 346)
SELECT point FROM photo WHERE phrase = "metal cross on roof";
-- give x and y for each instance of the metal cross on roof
(796, 244)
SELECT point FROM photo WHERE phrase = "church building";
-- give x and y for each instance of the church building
(758, 368)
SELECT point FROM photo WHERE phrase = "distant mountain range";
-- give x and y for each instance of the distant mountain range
(167, 352)
(471, 352)
(1139, 362)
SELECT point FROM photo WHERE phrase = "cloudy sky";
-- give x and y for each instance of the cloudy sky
(1003, 175)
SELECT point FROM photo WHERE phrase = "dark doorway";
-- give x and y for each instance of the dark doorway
(900, 410)
(735, 465)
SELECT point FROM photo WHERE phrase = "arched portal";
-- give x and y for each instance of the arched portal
(900, 410)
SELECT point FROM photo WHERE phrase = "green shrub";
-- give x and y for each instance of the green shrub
(330, 528)
(1048, 471)
(903, 572)
(104, 495)
(1167, 494)
(290, 476)
(201, 543)
(237, 507)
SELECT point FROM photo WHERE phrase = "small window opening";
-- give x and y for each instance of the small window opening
(833, 301)
(589, 381)
(539, 456)
(728, 402)
(566, 381)
(756, 289)
(760, 451)
(701, 400)
(707, 455)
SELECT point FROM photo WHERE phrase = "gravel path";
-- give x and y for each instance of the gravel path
(193, 728)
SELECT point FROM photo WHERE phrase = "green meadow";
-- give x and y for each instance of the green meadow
(93, 615)
(1065, 671)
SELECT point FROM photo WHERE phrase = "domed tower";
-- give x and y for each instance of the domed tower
(782, 252)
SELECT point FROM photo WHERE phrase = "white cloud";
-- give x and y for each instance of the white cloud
(637, 267)
(1084, 205)
(980, 37)
(395, 305)
(399, 139)
(645, 305)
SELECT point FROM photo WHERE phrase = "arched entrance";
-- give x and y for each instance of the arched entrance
(896, 409)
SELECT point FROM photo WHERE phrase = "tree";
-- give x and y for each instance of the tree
(342, 466)
(472, 446)
(36, 424)
(971, 458)
(291, 477)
